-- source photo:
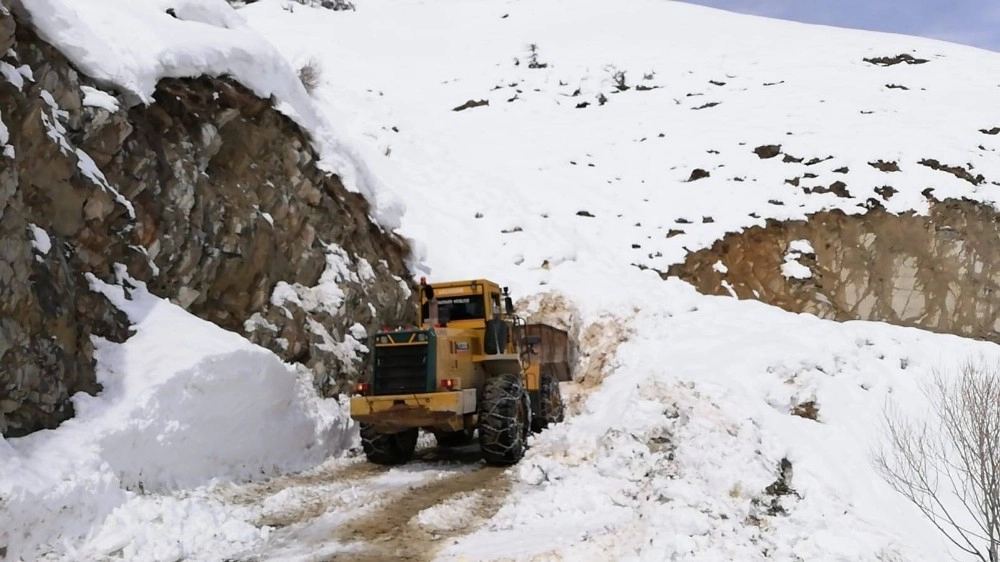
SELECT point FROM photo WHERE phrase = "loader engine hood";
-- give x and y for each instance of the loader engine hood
(404, 362)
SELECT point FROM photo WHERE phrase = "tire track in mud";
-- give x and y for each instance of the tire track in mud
(311, 506)
(389, 533)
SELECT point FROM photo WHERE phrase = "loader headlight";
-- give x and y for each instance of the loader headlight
(382, 340)
(421, 337)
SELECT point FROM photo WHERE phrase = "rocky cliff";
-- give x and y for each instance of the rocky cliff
(209, 195)
(936, 271)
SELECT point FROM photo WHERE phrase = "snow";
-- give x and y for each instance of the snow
(16, 75)
(686, 404)
(450, 515)
(180, 396)
(689, 428)
(326, 295)
(40, 240)
(169, 528)
(542, 153)
(801, 247)
(791, 268)
(553, 198)
(92, 97)
(4, 137)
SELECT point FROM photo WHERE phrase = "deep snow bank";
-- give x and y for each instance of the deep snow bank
(678, 446)
(184, 403)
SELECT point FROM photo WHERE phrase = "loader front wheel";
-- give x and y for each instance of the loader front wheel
(550, 403)
(388, 448)
(504, 418)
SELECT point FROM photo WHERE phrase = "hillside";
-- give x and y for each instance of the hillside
(776, 116)
(610, 154)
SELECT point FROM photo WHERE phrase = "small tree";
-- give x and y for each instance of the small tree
(533, 61)
(957, 453)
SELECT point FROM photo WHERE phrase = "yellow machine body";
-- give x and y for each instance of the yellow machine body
(429, 375)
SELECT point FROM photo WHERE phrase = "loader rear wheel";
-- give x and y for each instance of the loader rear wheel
(388, 448)
(504, 419)
(550, 403)
(454, 438)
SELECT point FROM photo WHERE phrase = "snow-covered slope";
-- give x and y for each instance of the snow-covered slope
(563, 183)
(531, 159)
(559, 195)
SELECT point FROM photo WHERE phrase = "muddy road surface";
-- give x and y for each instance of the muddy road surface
(348, 510)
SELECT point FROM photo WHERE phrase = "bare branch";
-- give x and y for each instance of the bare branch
(955, 455)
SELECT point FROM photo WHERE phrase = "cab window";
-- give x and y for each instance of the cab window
(461, 308)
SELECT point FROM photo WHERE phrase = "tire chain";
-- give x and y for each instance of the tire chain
(551, 408)
(502, 432)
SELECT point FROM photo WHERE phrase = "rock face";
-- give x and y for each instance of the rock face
(209, 195)
(939, 272)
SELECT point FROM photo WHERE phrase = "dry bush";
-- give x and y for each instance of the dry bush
(336, 5)
(309, 75)
(951, 455)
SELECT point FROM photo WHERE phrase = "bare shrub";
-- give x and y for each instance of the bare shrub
(309, 75)
(618, 76)
(949, 466)
(336, 5)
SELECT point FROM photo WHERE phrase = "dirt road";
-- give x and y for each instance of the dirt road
(352, 511)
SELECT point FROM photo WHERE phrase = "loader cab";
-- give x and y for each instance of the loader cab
(459, 304)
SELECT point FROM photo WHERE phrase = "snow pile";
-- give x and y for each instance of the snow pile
(132, 44)
(169, 528)
(184, 403)
(678, 448)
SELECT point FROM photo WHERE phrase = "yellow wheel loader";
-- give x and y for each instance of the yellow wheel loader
(470, 365)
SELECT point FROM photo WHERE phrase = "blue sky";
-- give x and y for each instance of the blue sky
(972, 22)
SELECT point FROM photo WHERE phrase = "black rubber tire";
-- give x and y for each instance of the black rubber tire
(550, 404)
(388, 448)
(504, 419)
(454, 438)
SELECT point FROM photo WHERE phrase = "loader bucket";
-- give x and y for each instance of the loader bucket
(551, 349)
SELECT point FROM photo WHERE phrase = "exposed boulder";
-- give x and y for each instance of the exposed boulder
(939, 272)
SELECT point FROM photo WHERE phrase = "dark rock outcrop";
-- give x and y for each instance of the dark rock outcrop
(209, 195)
(939, 272)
